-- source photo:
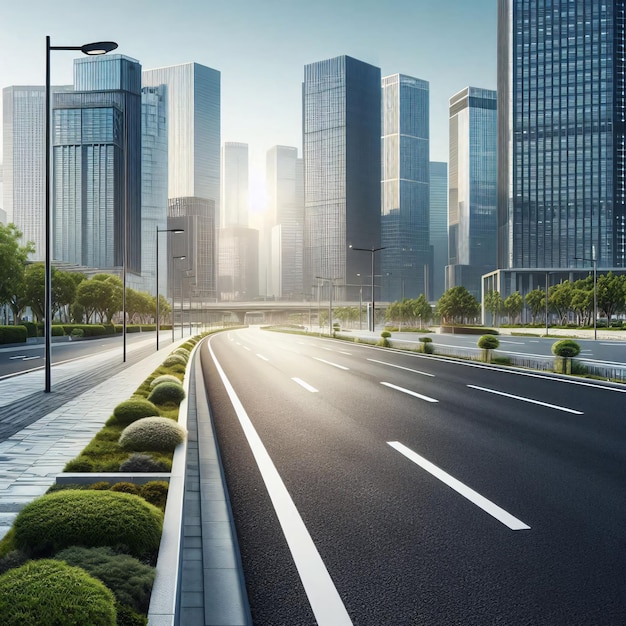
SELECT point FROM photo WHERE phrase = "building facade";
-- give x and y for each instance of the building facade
(438, 228)
(238, 264)
(235, 185)
(341, 151)
(472, 217)
(96, 166)
(405, 199)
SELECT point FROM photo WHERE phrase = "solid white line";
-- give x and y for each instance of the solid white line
(408, 369)
(19, 356)
(341, 367)
(508, 395)
(517, 343)
(409, 392)
(480, 501)
(323, 596)
(30, 358)
(264, 358)
(305, 385)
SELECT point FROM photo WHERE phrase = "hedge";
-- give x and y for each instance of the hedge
(13, 334)
(89, 330)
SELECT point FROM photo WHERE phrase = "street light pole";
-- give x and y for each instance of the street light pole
(595, 293)
(158, 311)
(372, 251)
(96, 48)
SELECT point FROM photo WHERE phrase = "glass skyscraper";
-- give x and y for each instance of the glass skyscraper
(341, 150)
(235, 183)
(561, 148)
(96, 163)
(472, 212)
(405, 261)
(438, 228)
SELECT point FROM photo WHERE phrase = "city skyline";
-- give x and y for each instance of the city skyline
(261, 50)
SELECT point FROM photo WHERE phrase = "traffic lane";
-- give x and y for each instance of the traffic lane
(539, 569)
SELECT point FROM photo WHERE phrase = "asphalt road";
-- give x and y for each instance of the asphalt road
(382, 488)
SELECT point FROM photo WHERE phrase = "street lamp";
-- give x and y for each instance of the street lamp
(95, 48)
(372, 251)
(595, 295)
(330, 303)
(174, 259)
(158, 318)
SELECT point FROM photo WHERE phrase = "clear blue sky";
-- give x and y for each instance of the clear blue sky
(261, 46)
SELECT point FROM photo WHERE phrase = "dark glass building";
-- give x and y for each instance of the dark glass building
(438, 228)
(341, 151)
(405, 180)
(561, 149)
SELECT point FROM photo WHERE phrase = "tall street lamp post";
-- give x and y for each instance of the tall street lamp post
(372, 251)
(158, 311)
(330, 303)
(595, 293)
(174, 259)
(96, 48)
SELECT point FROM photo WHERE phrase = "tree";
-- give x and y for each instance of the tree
(63, 292)
(420, 309)
(113, 303)
(494, 304)
(94, 296)
(513, 306)
(582, 305)
(13, 258)
(536, 301)
(458, 305)
(610, 293)
(560, 299)
(34, 281)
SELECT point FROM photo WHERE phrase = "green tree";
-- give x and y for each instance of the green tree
(95, 297)
(458, 305)
(536, 301)
(34, 286)
(494, 304)
(560, 299)
(112, 304)
(582, 305)
(63, 293)
(513, 306)
(13, 258)
(610, 290)
(421, 310)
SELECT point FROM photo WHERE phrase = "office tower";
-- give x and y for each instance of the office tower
(153, 190)
(96, 165)
(196, 216)
(561, 148)
(341, 150)
(438, 228)
(238, 264)
(285, 206)
(472, 220)
(235, 176)
(405, 201)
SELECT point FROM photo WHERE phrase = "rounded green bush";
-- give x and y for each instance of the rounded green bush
(125, 487)
(167, 393)
(143, 463)
(52, 593)
(88, 518)
(165, 378)
(182, 352)
(425, 340)
(155, 492)
(128, 578)
(77, 332)
(385, 334)
(488, 342)
(152, 433)
(566, 348)
(130, 410)
(174, 359)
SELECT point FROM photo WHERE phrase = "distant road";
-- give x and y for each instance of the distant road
(383, 488)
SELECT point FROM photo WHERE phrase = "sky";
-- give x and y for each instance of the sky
(260, 47)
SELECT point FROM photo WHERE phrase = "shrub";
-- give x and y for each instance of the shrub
(425, 339)
(174, 359)
(164, 378)
(13, 334)
(14, 558)
(125, 487)
(385, 334)
(101, 485)
(77, 332)
(88, 518)
(127, 617)
(155, 492)
(167, 393)
(426, 344)
(182, 352)
(79, 464)
(566, 348)
(152, 433)
(51, 593)
(128, 579)
(143, 463)
(57, 330)
(131, 410)
(488, 342)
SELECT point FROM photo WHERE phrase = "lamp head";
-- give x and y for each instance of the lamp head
(98, 47)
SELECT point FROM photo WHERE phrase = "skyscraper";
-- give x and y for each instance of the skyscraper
(438, 228)
(235, 177)
(561, 146)
(405, 207)
(341, 150)
(238, 263)
(96, 143)
(472, 220)
(285, 205)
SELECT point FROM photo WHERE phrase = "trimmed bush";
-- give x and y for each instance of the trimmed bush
(79, 464)
(88, 518)
(488, 342)
(164, 378)
(426, 344)
(155, 492)
(128, 579)
(101, 485)
(13, 334)
(174, 359)
(125, 487)
(167, 393)
(131, 410)
(57, 330)
(566, 348)
(141, 463)
(385, 334)
(152, 433)
(77, 332)
(51, 593)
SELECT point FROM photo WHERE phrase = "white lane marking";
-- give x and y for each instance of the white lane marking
(323, 596)
(509, 395)
(341, 367)
(409, 392)
(305, 385)
(19, 356)
(342, 352)
(246, 348)
(408, 369)
(264, 358)
(30, 358)
(480, 501)
(517, 343)
(615, 343)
